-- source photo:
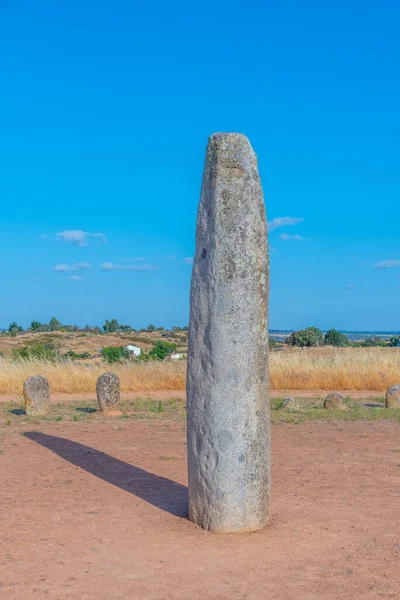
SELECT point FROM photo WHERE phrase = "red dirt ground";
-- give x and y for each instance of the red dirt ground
(97, 511)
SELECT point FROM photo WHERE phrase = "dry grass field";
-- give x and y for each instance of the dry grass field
(330, 368)
(309, 369)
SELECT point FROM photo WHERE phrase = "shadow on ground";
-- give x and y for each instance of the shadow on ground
(161, 492)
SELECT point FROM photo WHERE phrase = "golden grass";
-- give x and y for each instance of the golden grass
(329, 368)
(310, 369)
(70, 377)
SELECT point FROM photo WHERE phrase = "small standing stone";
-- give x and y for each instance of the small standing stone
(335, 401)
(393, 396)
(108, 391)
(37, 395)
(291, 404)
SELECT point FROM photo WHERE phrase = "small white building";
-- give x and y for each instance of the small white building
(175, 356)
(133, 349)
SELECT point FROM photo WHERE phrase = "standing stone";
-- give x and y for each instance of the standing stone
(108, 391)
(335, 401)
(291, 404)
(393, 396)
(228, 409)
(37, 395)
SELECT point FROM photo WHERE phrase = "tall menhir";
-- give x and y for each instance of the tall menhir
(228, 382)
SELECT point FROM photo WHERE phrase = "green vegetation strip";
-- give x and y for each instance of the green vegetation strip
(12, 413)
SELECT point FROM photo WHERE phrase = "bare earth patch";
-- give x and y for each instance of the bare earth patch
(97, 510)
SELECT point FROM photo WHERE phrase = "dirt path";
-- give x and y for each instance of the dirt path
(97, 511)
(162, 394)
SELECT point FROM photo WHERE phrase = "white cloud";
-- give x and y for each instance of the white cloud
(188, 260)
(283, 222)
(76, 267)
(272, 250)
(43, 236)
(108, 266)
(349, 286)
(37, 279)
(171, 257)
(298, 238)
(75, 277)
(386, 264)
(77, 237)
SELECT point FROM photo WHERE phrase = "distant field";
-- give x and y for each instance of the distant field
(309, 369)
(87, 342)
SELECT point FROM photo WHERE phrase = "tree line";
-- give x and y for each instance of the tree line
(110, 326)
(312, 336)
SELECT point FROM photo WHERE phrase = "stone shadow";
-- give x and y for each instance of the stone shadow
(161, 492)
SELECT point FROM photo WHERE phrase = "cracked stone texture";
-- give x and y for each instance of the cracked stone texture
(108, 391)
(37, 395)
(393, 396)
(291, 404)
(335, 402)
(228, 408)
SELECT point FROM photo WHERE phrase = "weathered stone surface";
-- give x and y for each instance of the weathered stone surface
(335, 402)
(228, 408)
(108, 391)
(393, 396)
(37, 395)
(291, 404)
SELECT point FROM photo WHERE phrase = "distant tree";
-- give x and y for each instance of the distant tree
(160, 329)
(35, 325)
(111, 326)
(311, 336)
(336, 338)
(13, 328)
(125, 328)
(394, 341)
(151, 327)
(54, 324)
(162, 349)
(372, 342)
(318, 334)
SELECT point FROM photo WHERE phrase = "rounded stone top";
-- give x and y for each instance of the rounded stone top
(394, 388)
(36, 383)
(393, 396)
(109, 375)
(291, 404)
(335, 401)
(233, 148)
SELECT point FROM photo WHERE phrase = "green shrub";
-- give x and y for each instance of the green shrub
(36, 352)
(74, 355)
(113, 354)
(162, 349)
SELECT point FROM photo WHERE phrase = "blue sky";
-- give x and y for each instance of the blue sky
(106, 108)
